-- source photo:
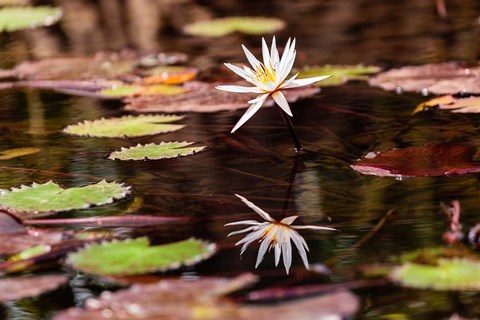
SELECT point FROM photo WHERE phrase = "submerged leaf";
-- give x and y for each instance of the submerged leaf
(127, 126)
(224, 26)
(169, 75)
(203, 97)
(50, 197)
(429, 160)
(340, 73)
(470, 104)
(19, 288)
(447, 274)
(18, 18)
(441, 78)
(135, 256)
(152, 151)
(17, 152)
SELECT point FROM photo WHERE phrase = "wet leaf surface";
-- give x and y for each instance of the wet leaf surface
(19, 288)
(18, 18)
(204, 297)
(50, 197)
(429, 160)
(127, 90)
(127, 126)
(125, 65)
(470, 104)
(203, 97)
(340, 73)
(152, 151)
(224, 26)
(168, 75)
(447, 274)
(441, 78)
(15, 238)
(136, 256)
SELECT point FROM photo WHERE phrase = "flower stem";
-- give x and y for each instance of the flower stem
(288, 122)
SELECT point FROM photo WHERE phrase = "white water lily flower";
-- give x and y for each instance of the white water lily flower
(273, 234)
(268, 78)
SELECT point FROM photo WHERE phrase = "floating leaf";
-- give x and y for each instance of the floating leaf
(169, 75)
(441, 78)
(17, 152)
(123, 66)
(15, 238)
(127, 126)
(50, 197)
(152, 151)
(340, 73)
(127, 90)
(204, 298)
(430, 160)
(470, 104)
(135, 256)
(203, 97)
(448, 274)
(18, 18)
(19, 288)
(224, 26)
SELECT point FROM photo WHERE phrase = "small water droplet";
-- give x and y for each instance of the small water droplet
(107, 313)
(467, 71)
(424, 92)
(399, 90)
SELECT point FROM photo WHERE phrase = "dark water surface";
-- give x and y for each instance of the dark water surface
(336, 126)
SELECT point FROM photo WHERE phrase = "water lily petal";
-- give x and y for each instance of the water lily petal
(313, 228)
(249, 113)
(239, 71)
(289, 220)
(265, 53)
(266, 242)
(257, 99)
(245, 222)
(241, 89)
(274, 53)
(251, 58)
(258, 210)
(282, 102)
(305, 82)
(278, 252)
(242, 231)
(256, 235)
(297, 239)
(287, 255)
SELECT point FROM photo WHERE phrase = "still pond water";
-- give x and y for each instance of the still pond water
(336, 126)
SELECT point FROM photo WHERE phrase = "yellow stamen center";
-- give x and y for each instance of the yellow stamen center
(266, 74)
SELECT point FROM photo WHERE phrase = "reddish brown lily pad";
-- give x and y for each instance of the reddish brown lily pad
(203, 97)
(463, 104)
(19, 288)
(441, 78)
(429, 160)
(205, 298)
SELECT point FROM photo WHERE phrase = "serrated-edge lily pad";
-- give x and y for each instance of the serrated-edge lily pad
(18, 18)
(469, 104)
(50, 197)
(448, 274)
(19, 288)
(224, 26)
(152, 151)
(128, 126)
(135, 256)
(340, 73)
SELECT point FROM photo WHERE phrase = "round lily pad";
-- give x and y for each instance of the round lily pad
(224, 26)
(17, 18)
(50, 197)
(128, 126)
(340, 73)
(136, 256)
(152, 151)
(462, 104)
(126, 90)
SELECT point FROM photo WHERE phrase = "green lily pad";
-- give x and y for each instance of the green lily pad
(50, 197)
(224, 26)
(17, 152)
(447, 274)
(340, 73)
(127, 126)
(127, 90)
(135, 256)
(164, 150)
(18, 18)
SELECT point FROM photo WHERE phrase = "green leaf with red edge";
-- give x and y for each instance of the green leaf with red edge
(136, 256)
(464, 104)
(152, 151)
